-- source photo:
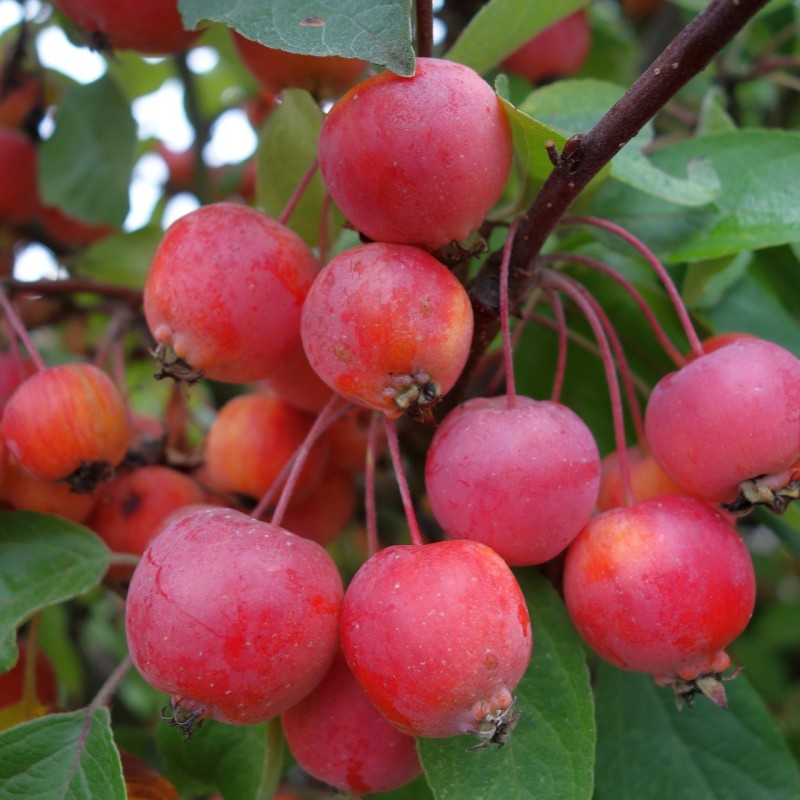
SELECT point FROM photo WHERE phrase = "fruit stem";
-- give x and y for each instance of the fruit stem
(508, 355)
(16, 324)
(292, 202)
(369, 484)
(272, 767)
(658, 267)
(329, 413)
(402, 483)
(588, 306)
(106, 691)
(29, 694)
(561, 360)
(424, 28)
(663, 339)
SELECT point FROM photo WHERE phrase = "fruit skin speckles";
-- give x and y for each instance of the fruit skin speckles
(259, 627)
(388, 327)
(466, 637)
(417, 160)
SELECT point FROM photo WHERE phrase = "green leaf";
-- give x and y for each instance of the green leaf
(379, 33)
(501, 26)
(575, 106)
(62, 757)
(44, 559)
(646, 748)
(550, 754)
(759, 204)
(287, 148)
(222, 758)
(123, 258)
(86, 165)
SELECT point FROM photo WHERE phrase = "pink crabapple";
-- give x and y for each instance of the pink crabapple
(235, 618)
(388, 327)
(417, 160)
(438, 635)
(662, 587)
(225, 291)
(523, 480)
(340, 738)
(728, 418)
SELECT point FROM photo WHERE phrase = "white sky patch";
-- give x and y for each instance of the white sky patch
(179, 206)
(79, 63)
(232, 139)
(36, 262)
(161, 115)
(149, 176)
(202, 60)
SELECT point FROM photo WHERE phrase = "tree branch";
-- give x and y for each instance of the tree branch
(586, 154)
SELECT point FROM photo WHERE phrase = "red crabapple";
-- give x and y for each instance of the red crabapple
(523, 480)
(276, 70)
(388, 327)
(148, 26)
(12, 683)
(439, 636)
(225, 291)
(250, 442)
(296, 382)
(556, 52)
(728, 417)
(340, 738)
(19, 192)
(235, 618)
(67, 423)
(662, 587)
(131, 508)
(417, 160)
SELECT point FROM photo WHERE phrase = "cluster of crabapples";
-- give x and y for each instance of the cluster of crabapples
(243, 618)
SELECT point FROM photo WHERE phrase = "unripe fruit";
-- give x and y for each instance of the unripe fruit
(388, 327)
(727, 417)
(661, 587)
(438, 635)
(225, 290)
(235, 618)
(276, 70)
(67, 423)
(339, 737)
(556, 52)
(523, 480)
(417, 160)
(647, 479)
(251, 440)
(148, 26)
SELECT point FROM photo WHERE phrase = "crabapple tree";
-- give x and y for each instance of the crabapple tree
(433, 436)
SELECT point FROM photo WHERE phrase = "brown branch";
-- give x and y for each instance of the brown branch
(586, 154)
(424, 28)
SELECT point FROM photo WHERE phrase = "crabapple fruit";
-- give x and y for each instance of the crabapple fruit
(12, 683)
(417, 160)
(388, 327)
(131, 508)
(154, 27)
(67, 423)
(556, 52)
(276, 70)
(438, 635)
(19, 192)
(225, 291)
(727, 417)
(662, 587)
(235, 618)
(251, 440)
(523, 480)
(339, 737)
(647, 479)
